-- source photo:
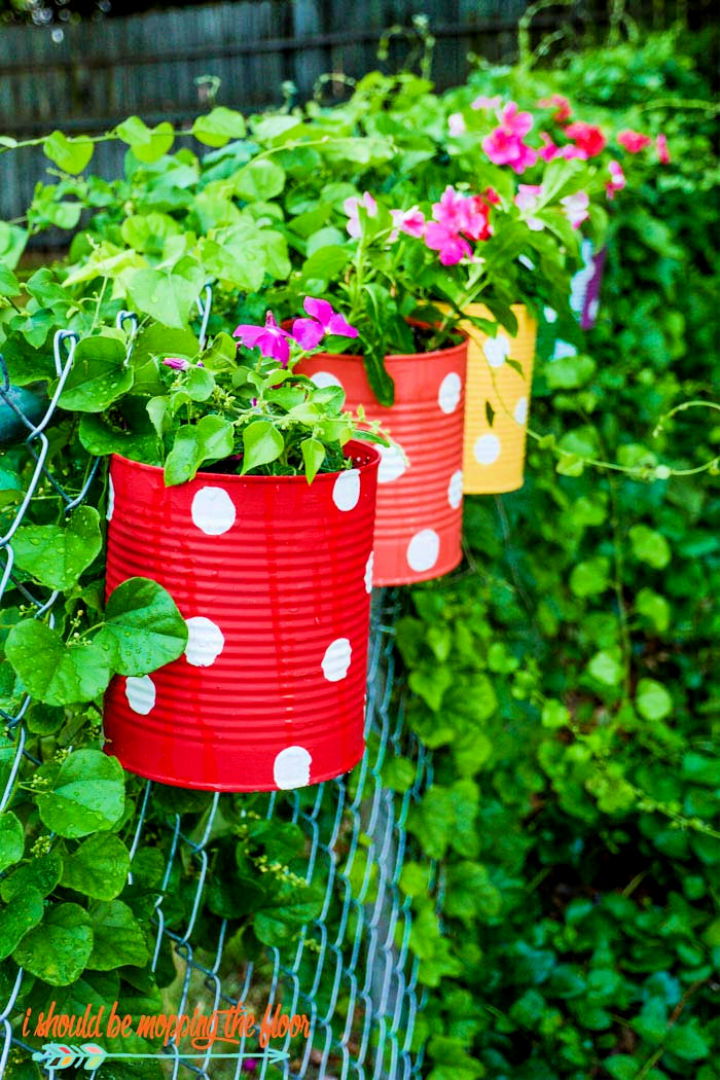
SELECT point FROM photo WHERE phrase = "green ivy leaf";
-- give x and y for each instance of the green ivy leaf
(313, 453)
(650, 546)
(56, 555)
(88, 795)
(25, 912)
(118, 938)
(98, 375)
(52, 671)
(99, 868)
(57, 951)
(259, 179)
(167, 298)
(211, 439)
(262, 444)
(652, 700)
(219, 126)
(9, 284)
(147, 144)
(41, 874)
(12, 840)
(70, 155)
(286, 909)
(143, 628)
(590, 578)
(606, 668)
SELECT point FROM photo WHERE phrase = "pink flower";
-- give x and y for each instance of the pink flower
(452, 247)
(323, 320)
(661, 147)
(270, 339)
(576, 208)
(507, 149)
(483, 102)
(617, 179)
(526, 200)
(504, 145)
(410, 221)
(563, 111)
(633, 141)
(587, 137)
(456, 124)
(177, 363)
(462, 214)
(458, 218)
(351, 206)
(549, 150)
(514, 122)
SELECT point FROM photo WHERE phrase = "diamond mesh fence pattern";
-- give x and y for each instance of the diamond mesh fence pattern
(349, 970)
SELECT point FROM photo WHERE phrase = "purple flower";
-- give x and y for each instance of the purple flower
(270, 339)
(178, 363)
(323, 320)
(249, 1065)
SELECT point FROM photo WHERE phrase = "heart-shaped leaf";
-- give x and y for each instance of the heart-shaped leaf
(87, 796)
(70, 155)
(55, 672)
(98, 375)
(219, 126)
(262, 443)
(57, 951)
(56, 555)
(143, 628)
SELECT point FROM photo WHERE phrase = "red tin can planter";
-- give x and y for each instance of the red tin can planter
(273, 576)
(418, 527)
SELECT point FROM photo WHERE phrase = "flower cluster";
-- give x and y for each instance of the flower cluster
(456, 220)
(274, 342)
(506, 144)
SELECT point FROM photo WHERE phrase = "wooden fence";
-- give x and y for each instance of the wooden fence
(87, 77)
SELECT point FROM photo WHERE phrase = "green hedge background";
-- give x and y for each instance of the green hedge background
(569, 678)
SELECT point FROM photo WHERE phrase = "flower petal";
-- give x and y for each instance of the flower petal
(319, 309)
(308, 332)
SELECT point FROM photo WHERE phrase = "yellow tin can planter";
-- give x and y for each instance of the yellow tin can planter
(497, 400)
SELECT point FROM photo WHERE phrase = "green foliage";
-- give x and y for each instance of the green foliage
(570, 672)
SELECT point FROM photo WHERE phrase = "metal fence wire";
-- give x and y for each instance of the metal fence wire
(350, 970)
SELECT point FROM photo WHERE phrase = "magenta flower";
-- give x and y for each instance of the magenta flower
(527, 200)
(462, 214)
(483, 102)
(662, 150)
(323, 320)
(506, 148)
(513, 122)
(633, 141)
(452, 247)
(270, 339)
(178, 363)
(351, 207)
(410, 221)
(617, 179)
(575, 208)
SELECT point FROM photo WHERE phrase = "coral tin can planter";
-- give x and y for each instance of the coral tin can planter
(494, 454)
(274, 578)
(418, 527)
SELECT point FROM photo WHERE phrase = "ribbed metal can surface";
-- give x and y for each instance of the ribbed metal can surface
(273, 576)
(418, 527)
(497, 404)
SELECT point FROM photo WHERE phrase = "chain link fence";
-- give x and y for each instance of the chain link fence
(350, 970)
